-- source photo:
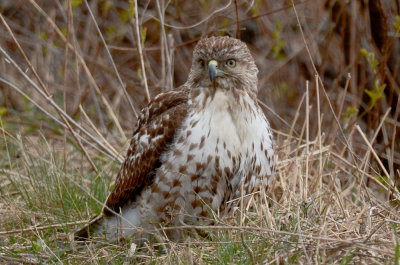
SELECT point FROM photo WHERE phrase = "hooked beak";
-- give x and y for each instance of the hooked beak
(213, 71)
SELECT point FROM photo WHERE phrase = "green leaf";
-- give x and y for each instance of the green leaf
(106, 7)
(37, 246)
(370, 57)
(144, 34)
(376, 94)
(347, 258)
(256, 8)
(396, 24)
(279, 44)
(397, 253)
(43, 36)
(364, 53)
(3, 112)
(131, 9)
(127, 15)
(350, 112)
(110, 31)
(382, 179)
(76, 3)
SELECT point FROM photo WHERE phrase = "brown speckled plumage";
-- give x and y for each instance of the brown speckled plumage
(154, 132)
(193, 147)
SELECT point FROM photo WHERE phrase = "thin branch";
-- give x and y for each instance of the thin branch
(99, 134)
(391, 184)
(51, 101)
(201, 21)
(248, 249)
(41, 228)
(276, 115)
(139, 47)
(103, 151)
(237, 21)
(167, 79)
(47, 94)
(123, 86)
(85, 67)
(320, 81)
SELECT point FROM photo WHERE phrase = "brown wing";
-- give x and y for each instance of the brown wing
(154, 133)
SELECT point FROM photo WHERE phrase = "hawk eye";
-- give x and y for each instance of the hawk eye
(231, 63)
(201, 63)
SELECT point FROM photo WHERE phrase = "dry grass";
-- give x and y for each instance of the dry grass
(73, 76)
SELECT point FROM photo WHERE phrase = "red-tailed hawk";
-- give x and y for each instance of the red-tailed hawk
(193, 147)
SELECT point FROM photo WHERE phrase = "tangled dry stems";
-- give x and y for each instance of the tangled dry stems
(335, 195)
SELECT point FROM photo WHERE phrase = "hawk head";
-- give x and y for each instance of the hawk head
(223, 63)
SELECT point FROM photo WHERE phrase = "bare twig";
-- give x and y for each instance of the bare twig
(391, 184)
(237, 21)
(123, 86)
(85, 67)
(47, 94)
(248, 249)
(115, 152)
(41, 228)
(275, 114)
(201, 21)
(166, 59)
(353, 156)
(104, 151)
(139, 48)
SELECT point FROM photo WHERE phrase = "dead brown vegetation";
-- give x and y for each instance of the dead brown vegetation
(74, 74)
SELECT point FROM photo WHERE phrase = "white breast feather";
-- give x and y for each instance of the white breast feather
(231, 123)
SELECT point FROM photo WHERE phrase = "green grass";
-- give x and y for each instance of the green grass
(40, 189)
